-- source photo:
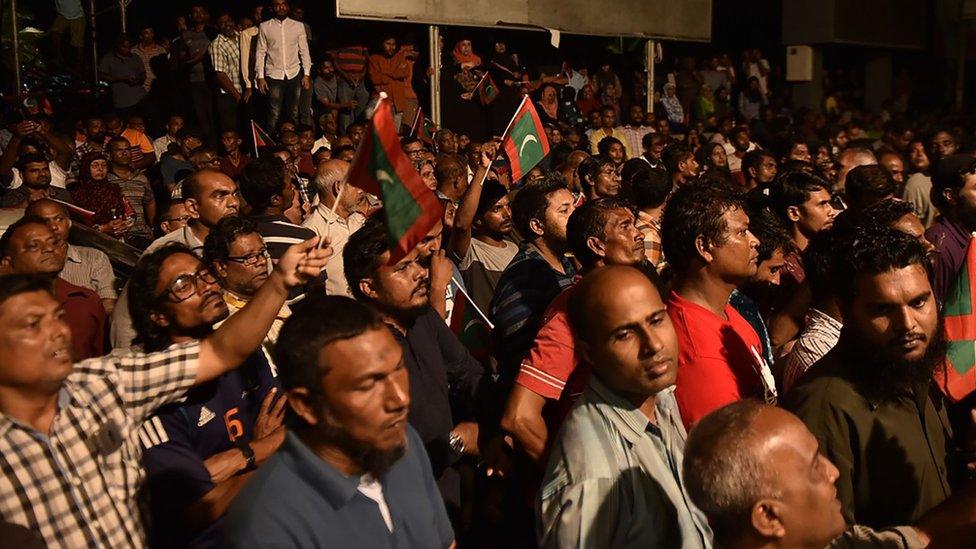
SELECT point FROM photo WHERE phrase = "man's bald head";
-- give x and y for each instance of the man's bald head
(757, 472)
(849, 159)
(623, 330)
(54, 213)
(329, 176)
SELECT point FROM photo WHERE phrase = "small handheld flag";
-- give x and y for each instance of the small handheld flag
(957, 377)
(525, 143)
(260, 138)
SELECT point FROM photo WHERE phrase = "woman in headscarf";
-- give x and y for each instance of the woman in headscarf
(751, 100)
(704, 103)
(548, 105)
(506, 73)
(672, 106)
(93, 191)
(460, 104)
(587, 101)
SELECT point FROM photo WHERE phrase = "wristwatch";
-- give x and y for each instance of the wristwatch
(248, 452)
(456, 443)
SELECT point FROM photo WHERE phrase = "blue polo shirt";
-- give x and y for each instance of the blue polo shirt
(296, 499)
(180, 436)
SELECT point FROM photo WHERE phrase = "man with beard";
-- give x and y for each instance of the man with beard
(871, 401)
(200, 451)
(391, 71)
(352, 472)
(613, 478)
(953, 185)
(446, 379)
(35, 172)
(481, 239)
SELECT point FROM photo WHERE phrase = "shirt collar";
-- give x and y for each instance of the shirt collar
(629, 420)
(74, 255)
(815, 315)
(335, 487)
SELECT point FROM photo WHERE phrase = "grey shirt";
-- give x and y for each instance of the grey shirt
(196, 43)
(124, 95)
(614, 478)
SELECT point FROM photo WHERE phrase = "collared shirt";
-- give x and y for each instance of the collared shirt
(282, 51)
(523, 292)
(90, 268)
(634, 136)
(161, 145)
(77, 486)
(298, 500)
(137, 191)
(248, 40)
(325, 223)
(225, 54)
(614, 478)
(651, 229)
(897, 450)
(85, 315)
(18, 197)
(951, 241)
(819, 336)
(445, 381)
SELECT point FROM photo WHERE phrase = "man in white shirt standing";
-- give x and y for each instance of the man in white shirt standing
(282, 62)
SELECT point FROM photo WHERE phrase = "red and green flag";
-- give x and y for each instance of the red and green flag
(422, 128)
(525, 142)
(470, 325)
(487, 90)
(383, 169)
(958, 376)
(260, 137)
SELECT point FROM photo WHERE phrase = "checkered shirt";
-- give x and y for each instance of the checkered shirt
(225, 54)
(77, 486)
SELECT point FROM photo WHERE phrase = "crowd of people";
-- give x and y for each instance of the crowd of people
(717, 323)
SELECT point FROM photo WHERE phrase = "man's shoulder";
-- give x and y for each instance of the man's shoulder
(827, 384)
(68, 291)
(584, 449)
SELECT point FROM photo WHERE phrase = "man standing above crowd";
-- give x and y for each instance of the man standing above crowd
(282, 63)
(614, 478)
(194, 45)
(351, 63)
(125, 72)
(225, 55)
(391, 71)
(706, 238)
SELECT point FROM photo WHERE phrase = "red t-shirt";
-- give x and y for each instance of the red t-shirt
(552, 369)
(717, 359)
(85, 315)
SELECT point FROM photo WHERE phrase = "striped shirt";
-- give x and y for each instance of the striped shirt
(819, 336)
(651, 229)
(614, 478)
(90, 268)
(225, 54)
(137, 191)
(77, 486)
(351, 62)
(278, 234)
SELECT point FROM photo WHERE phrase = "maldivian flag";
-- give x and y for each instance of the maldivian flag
(260, 137)
(487, 90)
(525, 141)
(383, 169)
(419, 128)
(470, 325)
(958, 376)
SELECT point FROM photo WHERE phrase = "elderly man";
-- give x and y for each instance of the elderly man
(613, 478)
(336, 220)
(84, 490)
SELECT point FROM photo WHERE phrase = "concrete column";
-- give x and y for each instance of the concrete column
(877, 80)
(810, 94)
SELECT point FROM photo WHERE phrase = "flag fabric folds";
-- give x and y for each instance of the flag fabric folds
(383, 169)
(957, 377)
(260, 138)
(525, 143)
(471, 326)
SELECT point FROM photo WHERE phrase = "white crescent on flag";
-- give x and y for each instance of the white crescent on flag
(384, 177)
(525, 142)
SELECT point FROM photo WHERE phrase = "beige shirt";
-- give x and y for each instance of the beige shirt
(325, 223)
(90, 268)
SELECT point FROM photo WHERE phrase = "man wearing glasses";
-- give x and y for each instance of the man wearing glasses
(200, 451)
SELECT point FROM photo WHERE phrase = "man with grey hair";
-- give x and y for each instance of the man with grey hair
(759, 475)
(336, 220)
(851, 158)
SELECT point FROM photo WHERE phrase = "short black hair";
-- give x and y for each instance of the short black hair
(30, 158)
(753, 159)
(262, 180)
(531, 202)
(649, 138)
(770, 232)
(8, 235)
(673, 155)
(217, 245)
(589, 169)
(650, 188)
(884, 213)
(819, 259)
(874, 250)
(604, 145)
(361, 255)
(320, 321)
(15, 284)
(793, 188)
(693, 210)
(866, 185)
(588, 220)
(143, 299)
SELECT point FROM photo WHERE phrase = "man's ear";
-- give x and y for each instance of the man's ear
(300, 402)
(159, 319)
(766, 519)
(220, 268)
(793, 212)
(537, 226)
(192, 208)
(596, 246)
(368, 287)
(704, 248)
(950, 197)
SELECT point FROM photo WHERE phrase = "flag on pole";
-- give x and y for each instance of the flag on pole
(470, 325)
(260, 137)
(525, 141)
(382, 168)
(487, 90)
(957, 377)
(419, 128)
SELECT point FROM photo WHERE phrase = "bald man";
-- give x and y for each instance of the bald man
(84, 266)
(759, 475)
(612, 478)
(849, 159)
(336, 221)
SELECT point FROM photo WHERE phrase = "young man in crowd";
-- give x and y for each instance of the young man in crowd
(758, 169)
(225, 57)
(551, 377)
(650, 189)
(35, 136)
(706, 238)
(446, 381)
(352, 471)
(337, 221)
(613, 477)
(29, 247)
(84, 491)
(174, 167)
(599, 178)
(680, 163)
(173, 126)
(35, 171)
(953, 181)
(233, 161)
(199, 452)
(84, 266)
(537, 273)
(267, 188)
(867, 185)
(608, 128)
(876, 386)
(282, 63)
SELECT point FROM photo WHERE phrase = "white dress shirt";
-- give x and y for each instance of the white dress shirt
(282, 50)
